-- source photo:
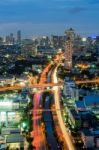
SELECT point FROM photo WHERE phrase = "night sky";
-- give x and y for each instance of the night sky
(42, 17)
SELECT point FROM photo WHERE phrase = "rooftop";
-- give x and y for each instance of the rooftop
(14, 138)
(91, 100)
(80, 105)
(74, 114)
(87, 132)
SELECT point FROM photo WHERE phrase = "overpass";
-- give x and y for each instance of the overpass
(87, 81)
(19, 87)
(44, 85)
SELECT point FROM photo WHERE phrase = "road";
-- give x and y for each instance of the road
(87, 81)
(65, 133)
(39, 141)
(19, 87)
(48, 120)
(38, 135)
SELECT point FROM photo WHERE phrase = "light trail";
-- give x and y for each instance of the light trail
(39, 139)
(61, 123)
(44, 110)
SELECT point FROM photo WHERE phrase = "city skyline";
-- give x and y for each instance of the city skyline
(42, 17)
(49, 75)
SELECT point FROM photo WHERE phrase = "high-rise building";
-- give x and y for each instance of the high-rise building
(70, 90)
(7, 39)
(1, 40)
(18, 36)
(11, 38)
(44, 41)
(69, 48)
(58, 41)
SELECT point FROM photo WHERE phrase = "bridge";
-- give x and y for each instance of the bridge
(19, 87)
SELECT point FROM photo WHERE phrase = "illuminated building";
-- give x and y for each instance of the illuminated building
(10, 104)
(46, 50)
(28, 49)
(44, 41)
(70, 89)
(58, 41)
(69, 48)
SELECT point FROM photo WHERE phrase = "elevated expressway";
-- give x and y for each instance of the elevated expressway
(44, 85)
(19, 87)
(87, 81)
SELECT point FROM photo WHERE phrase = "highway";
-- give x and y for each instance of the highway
(65, 133)
(48, 101)
(42, 84)
(39, 138)
(48, 120)
(19, 87)
(38, 135)
(87, 81)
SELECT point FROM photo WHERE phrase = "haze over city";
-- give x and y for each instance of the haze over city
(43, 17)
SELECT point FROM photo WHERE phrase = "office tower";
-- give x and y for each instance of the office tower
(69, 48)
(1, 40)
(58, 41)
(44, 41)
(7, 39)
(11, 38)
(18, 36)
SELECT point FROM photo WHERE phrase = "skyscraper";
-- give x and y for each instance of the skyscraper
(69, 48)
(11, 38)
(18, 36)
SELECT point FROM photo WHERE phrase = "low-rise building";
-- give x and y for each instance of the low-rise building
(90, 138)
(87, 138)
(13, 138)
(88, 103)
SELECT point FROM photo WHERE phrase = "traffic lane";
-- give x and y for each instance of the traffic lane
(61, 123)
(47, 115)
(39, 140)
